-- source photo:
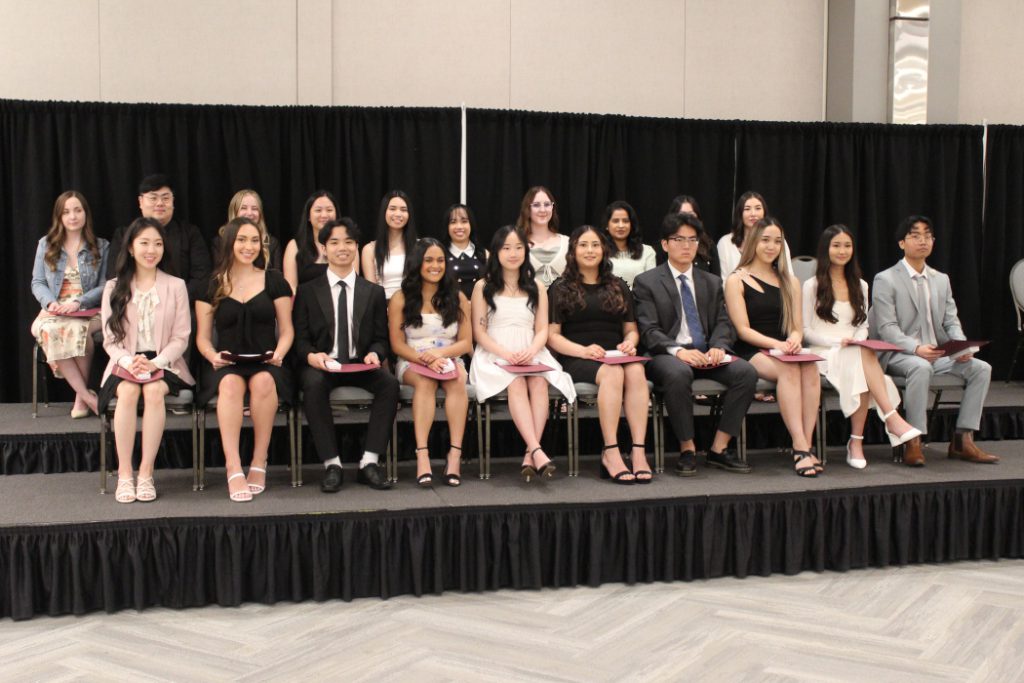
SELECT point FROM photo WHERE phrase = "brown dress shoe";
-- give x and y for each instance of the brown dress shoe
(962, 447)
(913, 455)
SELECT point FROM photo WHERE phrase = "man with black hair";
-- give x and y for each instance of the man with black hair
(912, 306)
(188, 255)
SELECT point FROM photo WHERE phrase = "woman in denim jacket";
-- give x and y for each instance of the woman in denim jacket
(67, 277)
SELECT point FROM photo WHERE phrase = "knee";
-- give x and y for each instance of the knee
(611, 377)
(980, 369)
(920, 369)
(232, 387)
(128, 391)
(312, 379)
(389, 387)
(424, 387)
(746, 375)
(154, 392)
(262, 386)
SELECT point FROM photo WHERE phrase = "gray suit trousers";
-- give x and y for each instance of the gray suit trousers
(918, 371)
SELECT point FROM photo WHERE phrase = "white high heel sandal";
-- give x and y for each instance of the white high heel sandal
(855, 463)
(906, 436)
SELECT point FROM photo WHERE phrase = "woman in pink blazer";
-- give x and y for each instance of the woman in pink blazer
(146, 327)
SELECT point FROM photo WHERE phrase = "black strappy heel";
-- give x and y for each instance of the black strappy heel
(810, 471)
(451, 478)
(425, 480)
(618, 478)
(637, 473)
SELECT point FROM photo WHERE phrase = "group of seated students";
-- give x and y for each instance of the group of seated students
(577, 308)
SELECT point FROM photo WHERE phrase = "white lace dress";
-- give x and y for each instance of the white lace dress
(511, 325)
(843, 366)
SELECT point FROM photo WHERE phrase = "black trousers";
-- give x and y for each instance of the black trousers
(673, 380)
(316, 390)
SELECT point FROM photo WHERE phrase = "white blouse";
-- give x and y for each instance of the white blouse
(627, 267)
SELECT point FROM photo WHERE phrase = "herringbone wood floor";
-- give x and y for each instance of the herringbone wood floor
(956, 622)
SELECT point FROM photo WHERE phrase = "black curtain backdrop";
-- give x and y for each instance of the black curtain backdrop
(1003, 242)
(284, 153)
(870, 177)
(812, 175)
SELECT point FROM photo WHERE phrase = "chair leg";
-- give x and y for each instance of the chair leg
(103, 452)
(199, 459)
(35, 380)
(392, 460)
(742, 447)
(297, 468)
(1013, 363)
(479, 441)
(659, 435)
(934, 414)
(486, 462)
(822, 432)
(572, 414)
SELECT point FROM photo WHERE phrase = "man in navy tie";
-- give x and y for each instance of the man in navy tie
(684, 327)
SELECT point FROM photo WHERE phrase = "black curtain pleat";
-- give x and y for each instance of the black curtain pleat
(285, 153)
(1003, 242)
(870, 177)
(75, 569)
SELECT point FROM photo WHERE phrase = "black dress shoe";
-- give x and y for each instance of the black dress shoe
(687, 465)
(371, 476)
(728, 461)
(332, 479)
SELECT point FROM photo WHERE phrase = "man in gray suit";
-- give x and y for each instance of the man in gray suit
(680, 311)
(912, 306)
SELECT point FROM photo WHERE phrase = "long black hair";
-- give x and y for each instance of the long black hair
(221, 278)
(635, 238)
(446, 238)
(382, 246)
(445, 300)
(738, 232)
(304, 240)
(824, 297)
(494, 278)
(568, 294)
(124, 272)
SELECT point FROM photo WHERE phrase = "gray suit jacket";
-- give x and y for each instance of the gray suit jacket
(894, 316)
(659, 310)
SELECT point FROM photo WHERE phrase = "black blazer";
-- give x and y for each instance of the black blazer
(659, 309)
(314, 319)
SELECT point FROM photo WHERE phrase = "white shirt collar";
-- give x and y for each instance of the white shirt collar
(910, 269)
(349, 280)
(676, 273)
(456, 252)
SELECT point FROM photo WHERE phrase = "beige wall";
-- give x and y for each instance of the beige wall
(991, 54)
(752, 59)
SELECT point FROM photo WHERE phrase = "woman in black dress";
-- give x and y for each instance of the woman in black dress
(592, 314)
(466, 258)
(304, 257)
(250, 310)
(763, 300)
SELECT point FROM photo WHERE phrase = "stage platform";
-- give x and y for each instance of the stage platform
(66, 549)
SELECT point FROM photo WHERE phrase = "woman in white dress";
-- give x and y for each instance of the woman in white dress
(835, 312)
(631, 256)
(538, 221)
(510, 324)
(384, 258)
(750, 208)
(428, 321)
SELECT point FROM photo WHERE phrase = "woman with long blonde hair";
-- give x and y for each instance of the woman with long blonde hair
(763, 300)
(248, 204)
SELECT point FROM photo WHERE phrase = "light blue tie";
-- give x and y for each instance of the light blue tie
(692, 319)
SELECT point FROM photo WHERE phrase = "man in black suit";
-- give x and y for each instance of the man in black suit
(685, 328)
(188, 255)
(358, 334)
